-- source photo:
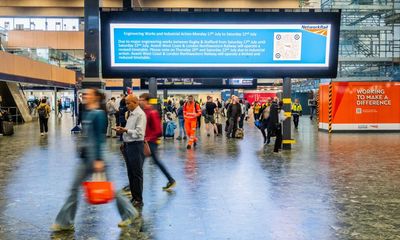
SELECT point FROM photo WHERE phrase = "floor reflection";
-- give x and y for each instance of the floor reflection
(339, 186)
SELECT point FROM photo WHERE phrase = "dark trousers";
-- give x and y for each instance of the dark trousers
(154, 155)
(117, 121)
(232, 127)
(278, 140)
(79, 118)
(134, 157)
(266, 136)
(312, 112)
(241, 121)
(198, 122)
(296, 120)
(43, 124)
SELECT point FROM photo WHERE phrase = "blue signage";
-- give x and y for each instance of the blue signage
(231, 45)
(174, 45)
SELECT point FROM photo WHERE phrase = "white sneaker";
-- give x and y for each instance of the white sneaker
(41, 134)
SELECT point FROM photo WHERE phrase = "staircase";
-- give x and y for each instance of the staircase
(20, 101)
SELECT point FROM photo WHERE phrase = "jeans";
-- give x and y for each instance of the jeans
(111, 125)
(312, 112)
(182, 127)
(241, 121)
(232, 127)
(154, 155)
(133, 153)
(43, 124)
(67, 213)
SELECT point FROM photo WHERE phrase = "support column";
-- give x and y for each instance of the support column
(153, 94)
(287, 105)
(153, 91)
(165, 97)
(127, 82)
(55, 101)
(92, 50)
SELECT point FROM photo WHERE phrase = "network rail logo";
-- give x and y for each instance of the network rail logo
(321, 29)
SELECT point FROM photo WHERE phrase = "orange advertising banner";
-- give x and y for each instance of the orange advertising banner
(361, 106)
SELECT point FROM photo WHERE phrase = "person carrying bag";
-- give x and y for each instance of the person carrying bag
(92, 162)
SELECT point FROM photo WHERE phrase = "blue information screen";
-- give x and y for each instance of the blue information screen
(219, 45)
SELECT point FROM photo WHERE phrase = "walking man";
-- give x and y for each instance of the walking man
(191, 111)
(133, 137)
(210, 110)
(44, 113)
(153, 133)
(234, 113)
(296, 112)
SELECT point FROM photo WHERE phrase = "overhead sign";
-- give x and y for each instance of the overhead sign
(219, 44)
(198, 83)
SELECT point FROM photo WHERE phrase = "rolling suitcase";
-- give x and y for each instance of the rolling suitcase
(8, 128)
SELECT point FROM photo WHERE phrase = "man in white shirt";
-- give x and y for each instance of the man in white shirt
(133, 136)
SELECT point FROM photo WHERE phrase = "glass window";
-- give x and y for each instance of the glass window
(70, 24)
(21, 23)
(54, 24)
(38, 24)
(7, 23)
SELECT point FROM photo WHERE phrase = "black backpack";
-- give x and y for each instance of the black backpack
(42, 112)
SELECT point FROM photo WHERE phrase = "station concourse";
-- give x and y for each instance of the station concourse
(296, 116)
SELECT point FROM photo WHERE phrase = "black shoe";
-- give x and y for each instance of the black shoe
(179, 138)
(188, 146)
(137, 204)
(169, 185)
(184, 138)
(208, 134)
(194, 144)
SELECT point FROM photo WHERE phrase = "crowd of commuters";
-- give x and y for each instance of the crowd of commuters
(140, 126)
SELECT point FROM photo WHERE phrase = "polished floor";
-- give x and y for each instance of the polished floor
(339, 186)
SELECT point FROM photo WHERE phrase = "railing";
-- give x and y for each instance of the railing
(50, 56)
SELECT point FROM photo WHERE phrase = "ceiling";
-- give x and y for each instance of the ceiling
(74, 8)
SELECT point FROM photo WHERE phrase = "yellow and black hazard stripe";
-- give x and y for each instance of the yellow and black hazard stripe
(317, 107)
(330, 108)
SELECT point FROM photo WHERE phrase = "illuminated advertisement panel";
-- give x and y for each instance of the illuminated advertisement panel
(219, 44)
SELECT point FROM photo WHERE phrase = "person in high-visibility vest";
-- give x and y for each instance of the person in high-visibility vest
(296, 112)
(191, 110)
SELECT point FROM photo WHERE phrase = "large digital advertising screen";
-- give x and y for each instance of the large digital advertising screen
(187, 44)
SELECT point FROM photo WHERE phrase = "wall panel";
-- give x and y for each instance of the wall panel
(46, 39)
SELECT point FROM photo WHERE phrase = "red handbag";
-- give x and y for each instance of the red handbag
(98, 191)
